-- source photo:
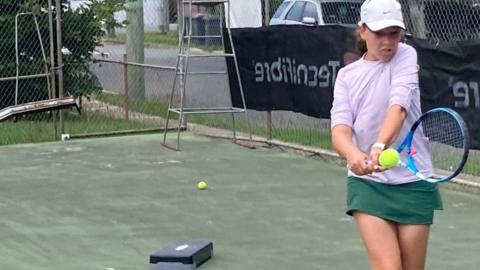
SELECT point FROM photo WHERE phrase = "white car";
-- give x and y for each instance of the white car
(321, 12)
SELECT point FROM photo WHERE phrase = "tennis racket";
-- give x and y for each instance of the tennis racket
(448, 139)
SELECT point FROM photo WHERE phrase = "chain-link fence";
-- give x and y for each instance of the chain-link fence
(119, 60)
(114, 96)
(25, 53)
(439, 21)
(443, 21)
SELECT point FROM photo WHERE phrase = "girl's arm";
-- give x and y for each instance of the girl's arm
(389, 132)
(343, 144)
(404, 83)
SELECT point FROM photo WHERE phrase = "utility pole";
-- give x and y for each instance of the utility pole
(180, 21)
(164, 16)
(266, 16)
(135, 48)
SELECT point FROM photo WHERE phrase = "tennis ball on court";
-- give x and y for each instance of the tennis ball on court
(389, 158)
(202, 185)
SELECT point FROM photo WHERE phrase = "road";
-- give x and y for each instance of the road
(202, 91)
(208, 90)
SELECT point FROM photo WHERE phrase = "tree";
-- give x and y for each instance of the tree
(81, 33)
(105, 10)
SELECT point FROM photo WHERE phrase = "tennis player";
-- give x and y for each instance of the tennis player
(376, 100)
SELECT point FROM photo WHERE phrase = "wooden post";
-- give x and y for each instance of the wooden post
(266, 19)
(125, 85)
(269, 125)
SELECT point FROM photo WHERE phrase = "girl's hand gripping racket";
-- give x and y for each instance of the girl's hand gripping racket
(448, 137)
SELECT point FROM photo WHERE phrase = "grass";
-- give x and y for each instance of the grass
(149, 107)
(25, 131)
(472, 166)
(90, 122)
(305, 136)
(310, 137)
(170, 39)
(151, 38)
(446, 157)
(41, 128)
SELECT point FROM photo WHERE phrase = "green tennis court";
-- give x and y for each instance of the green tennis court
(108, 203)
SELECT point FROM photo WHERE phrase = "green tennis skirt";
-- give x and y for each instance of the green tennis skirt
(410, 203)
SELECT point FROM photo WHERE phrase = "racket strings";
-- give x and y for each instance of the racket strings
(442, 128)
(447, 143)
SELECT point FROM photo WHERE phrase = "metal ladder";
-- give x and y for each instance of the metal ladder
(182, 69)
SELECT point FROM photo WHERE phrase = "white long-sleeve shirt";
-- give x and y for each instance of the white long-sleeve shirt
(364, 90)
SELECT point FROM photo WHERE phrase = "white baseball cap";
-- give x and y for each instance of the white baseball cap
(380, 14)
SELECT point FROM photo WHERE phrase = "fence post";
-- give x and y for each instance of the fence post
(269, 125)
(125, 85)
(58, 8)
(53, 75)
(266, 18)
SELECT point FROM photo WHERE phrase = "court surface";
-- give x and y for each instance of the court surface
(107, 203)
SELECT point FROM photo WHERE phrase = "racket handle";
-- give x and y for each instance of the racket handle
(417, 173)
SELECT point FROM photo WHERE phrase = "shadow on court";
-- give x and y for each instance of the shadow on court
(111, 202)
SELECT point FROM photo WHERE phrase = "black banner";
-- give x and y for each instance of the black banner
(294, 68)
(450, 77)
(289, 68)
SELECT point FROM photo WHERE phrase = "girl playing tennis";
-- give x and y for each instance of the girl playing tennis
(376, 100)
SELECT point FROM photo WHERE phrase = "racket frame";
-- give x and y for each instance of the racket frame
(406, 144)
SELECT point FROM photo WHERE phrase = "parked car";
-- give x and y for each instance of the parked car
(321, 12)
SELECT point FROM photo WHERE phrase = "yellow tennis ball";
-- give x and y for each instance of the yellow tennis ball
(202, 185)
(389, 158)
